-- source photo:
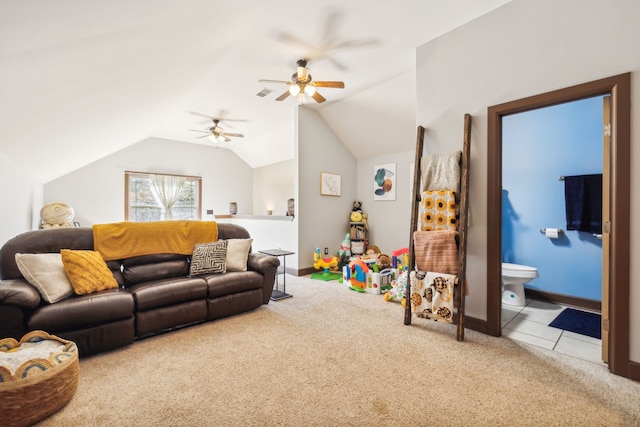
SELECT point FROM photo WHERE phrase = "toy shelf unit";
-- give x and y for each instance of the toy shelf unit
(358, 238)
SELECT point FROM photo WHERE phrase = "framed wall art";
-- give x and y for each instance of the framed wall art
(330, 184)
(384, 182)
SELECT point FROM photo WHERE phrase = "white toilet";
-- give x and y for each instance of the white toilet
(514, 276)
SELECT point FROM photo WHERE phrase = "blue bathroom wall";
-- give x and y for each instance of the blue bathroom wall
(538, 147)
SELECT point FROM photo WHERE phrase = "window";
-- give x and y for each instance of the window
(158, 197)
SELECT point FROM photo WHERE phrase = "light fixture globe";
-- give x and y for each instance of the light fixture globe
(294, 90)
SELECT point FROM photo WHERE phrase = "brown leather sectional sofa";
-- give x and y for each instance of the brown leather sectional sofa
(155, 293)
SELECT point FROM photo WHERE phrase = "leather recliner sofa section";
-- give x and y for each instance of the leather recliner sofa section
(155, 293)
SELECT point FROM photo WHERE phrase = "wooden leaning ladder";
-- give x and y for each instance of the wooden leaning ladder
(462, 224)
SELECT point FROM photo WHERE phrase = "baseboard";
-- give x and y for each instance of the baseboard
(634, 371)
(476, 324)
(303, 271)
(588, 304)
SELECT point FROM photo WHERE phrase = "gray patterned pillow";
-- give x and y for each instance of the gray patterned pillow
(209, 258)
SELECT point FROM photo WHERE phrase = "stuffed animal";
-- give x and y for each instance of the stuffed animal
(356, 216)
(56, 215)
(384, 261)
(365, 220)
(356, 212)
(344, 253)
(372, 252)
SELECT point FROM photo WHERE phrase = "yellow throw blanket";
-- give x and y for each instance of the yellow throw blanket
(438, 211)
(128, 239)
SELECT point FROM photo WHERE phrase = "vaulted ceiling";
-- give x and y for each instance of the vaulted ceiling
(81, 79)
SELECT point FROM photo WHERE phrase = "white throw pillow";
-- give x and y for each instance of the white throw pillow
(45, 272)
(237, 254)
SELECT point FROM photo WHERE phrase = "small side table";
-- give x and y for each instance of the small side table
(278, 294)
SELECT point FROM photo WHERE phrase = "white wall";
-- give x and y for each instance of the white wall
(389, 220)
(96, 191)
(323, 220)
(524, 48)
(273, 234)
(273, 185)
(22, 200)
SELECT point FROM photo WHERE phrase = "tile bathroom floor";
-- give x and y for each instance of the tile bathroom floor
(530, 324)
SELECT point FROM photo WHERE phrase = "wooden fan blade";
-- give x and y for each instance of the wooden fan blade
(203, 136)
(197, 130)
(338, 85)
(318, 98)
(282, 82)
(237, 135)
(283, 96)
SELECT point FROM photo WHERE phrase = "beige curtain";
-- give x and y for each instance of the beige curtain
(166, 190)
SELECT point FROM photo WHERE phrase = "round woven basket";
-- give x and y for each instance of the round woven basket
(38, 387)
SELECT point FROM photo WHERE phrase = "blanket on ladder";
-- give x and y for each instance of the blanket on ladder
(432, 295)
(436, 251)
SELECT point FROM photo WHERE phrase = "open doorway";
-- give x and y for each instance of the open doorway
(617, 327)
(544, 152)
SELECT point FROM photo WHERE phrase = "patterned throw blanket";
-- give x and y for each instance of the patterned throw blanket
(432, 295)
(438, 211)
(128, 239)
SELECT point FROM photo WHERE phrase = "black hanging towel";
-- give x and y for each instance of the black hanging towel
(583, 202)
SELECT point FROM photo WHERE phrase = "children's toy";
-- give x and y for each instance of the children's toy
(373, 251)
(55, 215)
(327, 263)
(355, 274)
(400, 256)
(344, 253)
(387, 276)
(399, 289)
(356, 212)
(384, 261)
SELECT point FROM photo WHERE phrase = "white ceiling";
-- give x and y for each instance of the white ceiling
(81, 79)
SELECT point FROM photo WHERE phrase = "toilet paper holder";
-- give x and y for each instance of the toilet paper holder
(544, 231)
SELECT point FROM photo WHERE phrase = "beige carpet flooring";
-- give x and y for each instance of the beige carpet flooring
(334, 357)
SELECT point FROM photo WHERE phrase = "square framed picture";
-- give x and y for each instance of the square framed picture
(330, 184)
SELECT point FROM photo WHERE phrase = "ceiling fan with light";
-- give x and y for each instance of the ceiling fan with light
(216, 133)
(301, 84)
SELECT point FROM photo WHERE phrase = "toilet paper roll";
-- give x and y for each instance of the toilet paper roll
(552, 233)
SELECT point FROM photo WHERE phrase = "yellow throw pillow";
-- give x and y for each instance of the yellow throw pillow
(87, 271)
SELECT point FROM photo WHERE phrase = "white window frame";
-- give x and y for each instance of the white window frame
(133, 178)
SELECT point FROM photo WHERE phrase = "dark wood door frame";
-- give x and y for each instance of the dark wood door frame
(620, 89)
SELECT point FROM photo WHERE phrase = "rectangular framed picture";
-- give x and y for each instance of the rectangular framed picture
(384, 182)
(330, 184)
